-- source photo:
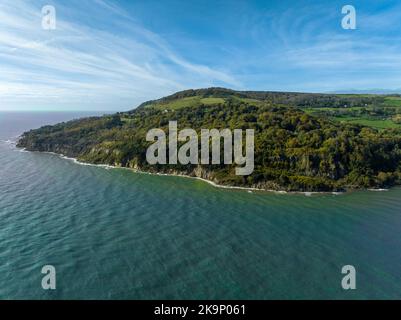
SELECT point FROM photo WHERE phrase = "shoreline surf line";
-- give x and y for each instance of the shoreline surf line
(214, 184)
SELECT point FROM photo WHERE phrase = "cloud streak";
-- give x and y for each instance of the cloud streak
(79, 66)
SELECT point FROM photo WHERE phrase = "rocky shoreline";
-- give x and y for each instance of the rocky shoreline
(198, 173)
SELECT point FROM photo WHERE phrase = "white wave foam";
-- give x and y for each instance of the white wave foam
(249, 189)
(10, 142)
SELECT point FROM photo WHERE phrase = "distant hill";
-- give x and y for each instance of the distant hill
(368, 91)
(210, 96)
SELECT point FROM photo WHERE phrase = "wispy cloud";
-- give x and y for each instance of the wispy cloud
(305, 48)
(80, 66)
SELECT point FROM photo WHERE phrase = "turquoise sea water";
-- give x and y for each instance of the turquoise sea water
(123, 235)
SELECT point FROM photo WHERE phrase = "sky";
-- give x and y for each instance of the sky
(112, 55)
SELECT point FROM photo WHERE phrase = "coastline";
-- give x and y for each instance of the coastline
(214, 184)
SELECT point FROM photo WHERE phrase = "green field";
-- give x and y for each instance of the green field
(374, 123)
(316, 110)
(392, 102)
(187, 102)
(196, 101)
(376, 111)
(377, 115)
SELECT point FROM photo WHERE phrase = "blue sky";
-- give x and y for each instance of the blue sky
(113, 55)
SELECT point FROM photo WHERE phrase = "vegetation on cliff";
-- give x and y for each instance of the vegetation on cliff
(298, 144)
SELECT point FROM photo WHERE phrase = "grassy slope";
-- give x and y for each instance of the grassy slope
(344, 114)
(196, 101)
(373, 123)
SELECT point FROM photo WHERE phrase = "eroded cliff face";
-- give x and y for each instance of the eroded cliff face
(62, 149)
(99, 155)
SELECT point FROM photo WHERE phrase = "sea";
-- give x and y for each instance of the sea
(118, 234)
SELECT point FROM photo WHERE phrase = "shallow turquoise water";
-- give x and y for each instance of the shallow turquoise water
(118, 234)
